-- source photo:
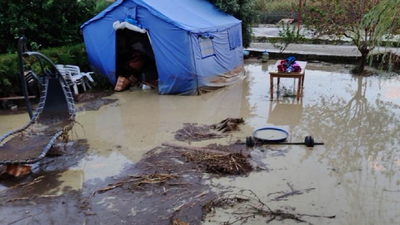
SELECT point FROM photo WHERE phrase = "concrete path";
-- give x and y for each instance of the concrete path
(331, 50)
(269, 31)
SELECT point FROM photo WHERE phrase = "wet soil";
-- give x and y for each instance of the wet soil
(19, 110)
(69, 154)
(93, 100)
(90, 96)
(180, 197)
(29, 144)
(34, 199)
(192, 132)
(164, 187)
(95, 105)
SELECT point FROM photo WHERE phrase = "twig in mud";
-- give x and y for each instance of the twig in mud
(66, 129)
(328, 217)
(254, 207)
(140, 180)
(177, 184)
(30, 198)
(391, 190)
(90, 213)
(175, 147)
(26, 217)
(273, 193)
(221, 202)
(242, 219)
(295, 192)
(190, 127)
(290, 186)
(189, 134)
(36, 180)
(258, 199)
(291, 193)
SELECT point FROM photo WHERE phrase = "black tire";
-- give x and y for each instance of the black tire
(309, 141)
(250, 141)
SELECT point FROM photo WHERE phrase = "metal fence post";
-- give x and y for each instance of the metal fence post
(21, 49)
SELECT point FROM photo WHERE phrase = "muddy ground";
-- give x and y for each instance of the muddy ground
(168, 182)
(164, 183)
(167, 186)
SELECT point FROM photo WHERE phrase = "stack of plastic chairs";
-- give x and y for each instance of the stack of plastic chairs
(75, 77)
(75, 70)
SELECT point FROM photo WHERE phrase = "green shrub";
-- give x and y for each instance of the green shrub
(48, 23)
(9, 81)
(102, 5)
(288, 34)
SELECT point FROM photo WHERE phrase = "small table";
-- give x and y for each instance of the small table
(298, 75)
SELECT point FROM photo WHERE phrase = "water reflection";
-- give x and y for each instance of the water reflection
(357, 131)
(358, 119)
(361, 135)
(286, 112)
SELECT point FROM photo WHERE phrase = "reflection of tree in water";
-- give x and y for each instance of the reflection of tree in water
(356, 132)
(360, 138)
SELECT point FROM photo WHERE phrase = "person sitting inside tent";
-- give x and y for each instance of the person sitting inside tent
(132, 68)
(135, 63)
(137, 60)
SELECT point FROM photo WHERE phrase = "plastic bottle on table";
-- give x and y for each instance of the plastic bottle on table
(265, 56)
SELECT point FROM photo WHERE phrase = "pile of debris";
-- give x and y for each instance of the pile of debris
(228, 124)
(223, 164)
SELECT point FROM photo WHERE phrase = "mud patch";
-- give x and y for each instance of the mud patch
(29, 143)
(90, 96)
(164, 187)
(33, 199)
(20, 110)
(69, 154)
(160, 189)
(45, 209)
(95, 104)
(192, 132)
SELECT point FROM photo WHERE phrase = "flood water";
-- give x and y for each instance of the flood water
(354, 176)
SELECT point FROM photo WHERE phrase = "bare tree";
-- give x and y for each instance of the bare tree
(338, 18)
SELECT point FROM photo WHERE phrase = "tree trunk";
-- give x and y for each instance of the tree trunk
(363, 62)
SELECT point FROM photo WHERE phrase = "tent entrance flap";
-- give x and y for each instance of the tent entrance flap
(135, 57)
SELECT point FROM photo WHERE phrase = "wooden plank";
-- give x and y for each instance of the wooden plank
(15, 98)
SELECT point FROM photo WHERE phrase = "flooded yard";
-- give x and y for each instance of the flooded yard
(353, 178)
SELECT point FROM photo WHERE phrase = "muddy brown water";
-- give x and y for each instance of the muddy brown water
(354, 176)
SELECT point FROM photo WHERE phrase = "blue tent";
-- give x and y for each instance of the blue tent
(195, 46)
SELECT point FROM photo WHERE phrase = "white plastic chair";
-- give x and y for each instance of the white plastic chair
(72, 80)
(75, 70)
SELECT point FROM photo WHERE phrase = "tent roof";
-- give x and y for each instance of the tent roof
(191, 15)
